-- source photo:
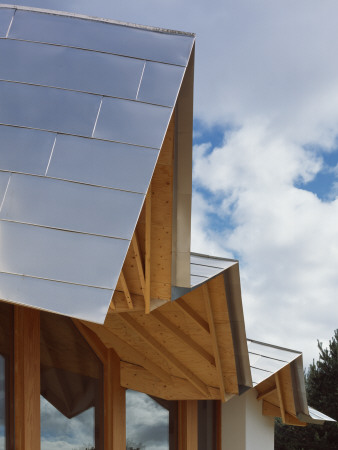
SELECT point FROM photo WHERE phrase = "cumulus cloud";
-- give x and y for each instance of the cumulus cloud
(147, 421)
(285, 237)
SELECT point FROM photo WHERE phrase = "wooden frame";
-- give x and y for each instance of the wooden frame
(27, 378)
(188, 425)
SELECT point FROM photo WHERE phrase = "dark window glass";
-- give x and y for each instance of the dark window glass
(151, 422)
(6, 376)
(71, 388)
(207, 425)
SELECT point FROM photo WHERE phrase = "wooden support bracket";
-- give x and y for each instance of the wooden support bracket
(214, 340)
(280, 396)
(185, 372)
(126, 291)
(148, 252)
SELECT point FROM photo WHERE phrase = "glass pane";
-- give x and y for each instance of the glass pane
(71, 388)
(147, 423)
(160, 83)
(61, 255)
(5, 20)
(95, 35)
(24, 150)
(103, 163)
(59, 432)
(70, 68)
(207, 425)
(47, 108)
(71, 206)
(132, 122)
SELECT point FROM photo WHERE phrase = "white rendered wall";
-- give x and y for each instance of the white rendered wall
(243, 425)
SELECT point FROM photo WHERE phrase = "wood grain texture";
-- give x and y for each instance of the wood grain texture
(115, 405)
(27, 378)
(164, 353)
(214, 339)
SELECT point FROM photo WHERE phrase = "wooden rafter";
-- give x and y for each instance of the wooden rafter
(184, 337)
(280, 396)
(214, 340)
(129, 352)
(185, 372)
(126, 291)
(147, 252)
(97, 346)
(139, 263)
(266, 393)
(183, 306)
(271, 410)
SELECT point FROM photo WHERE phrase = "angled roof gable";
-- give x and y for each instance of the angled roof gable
(85, 109)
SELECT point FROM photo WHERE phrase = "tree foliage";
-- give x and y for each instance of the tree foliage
(321, 380)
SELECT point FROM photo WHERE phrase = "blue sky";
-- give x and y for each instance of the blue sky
(266, 152)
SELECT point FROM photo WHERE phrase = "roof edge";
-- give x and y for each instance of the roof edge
(99, 19)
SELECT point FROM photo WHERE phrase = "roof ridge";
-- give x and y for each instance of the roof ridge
(99, 19)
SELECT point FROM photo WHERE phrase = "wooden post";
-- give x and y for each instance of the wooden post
(188, 425)
(115, 405)
(27, 378)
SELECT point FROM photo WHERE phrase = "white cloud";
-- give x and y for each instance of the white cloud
(286, 238)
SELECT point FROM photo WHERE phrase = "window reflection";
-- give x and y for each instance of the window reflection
(71, 388)
(151, 423)
(207, 425)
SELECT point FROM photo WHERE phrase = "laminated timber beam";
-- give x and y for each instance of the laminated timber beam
(184, 337)
(126, 291)
(27, 378)
(183, 306)
(139, 263)
(268, 409)
(280, 397)
(147, 252)
(266, 393)
(94, 342)
(185, 372)
(137, 378)
(213, 334)
(127, 352)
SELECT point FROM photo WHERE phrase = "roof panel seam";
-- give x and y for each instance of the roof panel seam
(48, 177)
(98, 19)
(96, 94)
(92, 50)
(76, 135)
(64, 229)
(56, 281)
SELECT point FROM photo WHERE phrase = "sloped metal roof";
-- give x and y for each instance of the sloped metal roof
(266, 359)
(203, 267)
(85, 106)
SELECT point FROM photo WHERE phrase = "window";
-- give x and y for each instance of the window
(151, 422)
(71, 388)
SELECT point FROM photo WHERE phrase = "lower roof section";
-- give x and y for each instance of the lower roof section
(278, 377)
(191, 348)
